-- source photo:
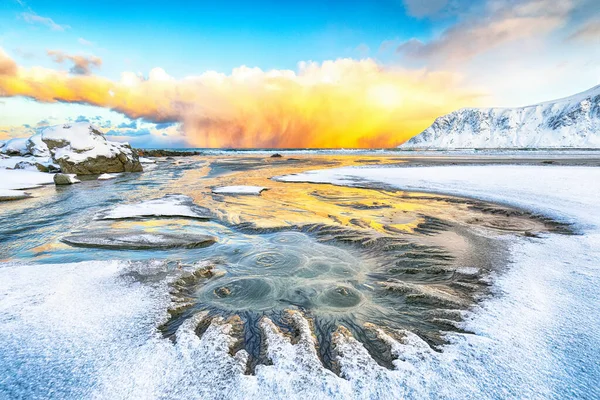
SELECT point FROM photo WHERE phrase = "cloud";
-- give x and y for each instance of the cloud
(82, 65)
(32, 18)
(341, 103)
(9, 132)
(482, 29)
(165, 125)
(589, 31)
(7, 65)
(84, 42)
(129, 132)
(130, 125)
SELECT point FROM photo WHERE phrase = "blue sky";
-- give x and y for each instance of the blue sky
(492, 52)
(187, 37)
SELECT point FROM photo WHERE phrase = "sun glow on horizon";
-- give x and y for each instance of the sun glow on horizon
(341, 103)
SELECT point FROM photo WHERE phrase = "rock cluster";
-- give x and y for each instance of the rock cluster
(78, 148)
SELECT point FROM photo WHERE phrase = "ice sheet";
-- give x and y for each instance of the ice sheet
(23, 179)
(239, 190)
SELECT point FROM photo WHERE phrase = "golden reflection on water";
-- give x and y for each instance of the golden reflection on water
(298, 204)
(374, 212)
(378, 211)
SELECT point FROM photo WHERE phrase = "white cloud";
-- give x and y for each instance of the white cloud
(33, 18)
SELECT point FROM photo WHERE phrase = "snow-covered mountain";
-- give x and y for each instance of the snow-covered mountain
(570, 122)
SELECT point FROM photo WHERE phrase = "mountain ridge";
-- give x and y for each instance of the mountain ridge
(569, 122)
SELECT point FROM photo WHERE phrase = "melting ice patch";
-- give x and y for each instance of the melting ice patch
(241, 189)
(106, 177)
(171, 205)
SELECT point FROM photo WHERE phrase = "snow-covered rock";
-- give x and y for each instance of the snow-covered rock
(43, 164)
(65, 179)
(82, 149)
(570, 122)
(30, 166)
(37, 147)
(17, 147)
(241, 189)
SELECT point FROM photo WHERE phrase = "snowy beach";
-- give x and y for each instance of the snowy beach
(91, 322)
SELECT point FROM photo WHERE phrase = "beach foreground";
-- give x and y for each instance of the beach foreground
(344, 276)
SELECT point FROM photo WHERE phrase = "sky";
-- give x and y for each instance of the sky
(284, 74)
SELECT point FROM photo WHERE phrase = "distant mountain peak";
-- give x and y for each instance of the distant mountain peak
(572, 121)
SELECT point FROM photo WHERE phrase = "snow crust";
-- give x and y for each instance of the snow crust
(570, 122)
(255, 190)
(172, 205)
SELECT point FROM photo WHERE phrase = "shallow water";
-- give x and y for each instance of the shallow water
(359, 258)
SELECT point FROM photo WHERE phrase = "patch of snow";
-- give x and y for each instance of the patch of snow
(22, 179)
(255, 190)
(105, 177)
(8, 194)
(145, 160)
(172, 205)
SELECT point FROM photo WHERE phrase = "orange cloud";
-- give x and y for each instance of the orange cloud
(342, 103)
(82, 65)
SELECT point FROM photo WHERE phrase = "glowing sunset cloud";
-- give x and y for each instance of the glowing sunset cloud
(341, 103)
